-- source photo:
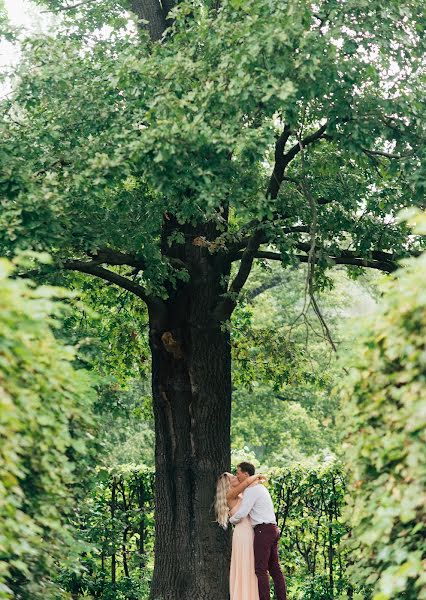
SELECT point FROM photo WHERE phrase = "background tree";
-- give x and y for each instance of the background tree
(284, 368)
(166, 165)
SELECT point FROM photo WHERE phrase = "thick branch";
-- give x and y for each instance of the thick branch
(358, 261)
(282, 160)
(234, 248)
(246, 262)
(156, 305)
(153, 14)
(224, 308)
(380, 265)
(93, 268)
(309, 139)
(279, 166)
(115, 257)
(375, 254)
(385, 154)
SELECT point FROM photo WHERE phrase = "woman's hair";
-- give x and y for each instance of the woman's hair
(220, 504)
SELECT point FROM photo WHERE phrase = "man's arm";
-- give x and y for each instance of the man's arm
(247, 504)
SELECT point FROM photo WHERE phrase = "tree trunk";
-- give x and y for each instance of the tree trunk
(191, 385)
(153, 14)
(113, 555)
(191, 379)
(141, 506)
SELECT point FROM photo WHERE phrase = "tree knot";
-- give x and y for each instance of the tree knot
(171, 345)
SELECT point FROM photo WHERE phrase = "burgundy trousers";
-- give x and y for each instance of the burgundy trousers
(266, 561)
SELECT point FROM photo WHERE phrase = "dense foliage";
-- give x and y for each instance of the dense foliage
(45, 426)
(116, 131)
(385, 442)
(308, 502)
(116, 520)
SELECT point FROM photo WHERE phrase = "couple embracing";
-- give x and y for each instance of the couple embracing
(243, 501)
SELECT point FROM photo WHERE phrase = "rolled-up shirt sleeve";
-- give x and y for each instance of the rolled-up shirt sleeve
(249, 498)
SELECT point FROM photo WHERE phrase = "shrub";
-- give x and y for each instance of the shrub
(385, 418)
(44, 424)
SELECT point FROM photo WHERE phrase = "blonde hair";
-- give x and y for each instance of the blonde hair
(220, 504)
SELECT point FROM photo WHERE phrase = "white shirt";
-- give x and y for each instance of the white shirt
(257, 503)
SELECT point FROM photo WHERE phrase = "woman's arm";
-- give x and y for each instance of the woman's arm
(234, 492)
(234, 509)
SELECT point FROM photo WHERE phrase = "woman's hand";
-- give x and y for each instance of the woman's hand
(235, 491)
(257, 478)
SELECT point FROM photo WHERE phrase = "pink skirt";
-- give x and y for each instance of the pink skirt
(242, 578)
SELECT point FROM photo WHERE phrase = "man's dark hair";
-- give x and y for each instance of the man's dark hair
(247, 467)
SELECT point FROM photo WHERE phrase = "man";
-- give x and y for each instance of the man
(257, 503)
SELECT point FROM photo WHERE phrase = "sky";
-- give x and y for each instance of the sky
(19, 12)
(23, 14)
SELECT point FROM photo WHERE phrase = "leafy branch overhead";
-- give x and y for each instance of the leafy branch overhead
(206, 127)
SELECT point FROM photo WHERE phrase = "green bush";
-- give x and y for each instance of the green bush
(308, 501)
(117, 520)
(385, 418)
(44, 426)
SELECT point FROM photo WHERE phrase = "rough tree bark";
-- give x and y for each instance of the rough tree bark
(191, 380)
(153, 14)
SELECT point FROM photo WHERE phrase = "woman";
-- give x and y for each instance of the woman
(242, 578)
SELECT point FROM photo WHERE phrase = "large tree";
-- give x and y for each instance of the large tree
(165, 158)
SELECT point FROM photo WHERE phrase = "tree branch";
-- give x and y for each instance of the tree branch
(228, 302)
(72, 7)
(246, 263)
(225, 307)
(93, 268)
(385, 154)
(155, 305)
(375, 254)
(309, 139)
(279, 166)
(116, 258)
(242, 244)
(381, 265)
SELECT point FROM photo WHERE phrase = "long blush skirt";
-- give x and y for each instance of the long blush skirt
(242, 578)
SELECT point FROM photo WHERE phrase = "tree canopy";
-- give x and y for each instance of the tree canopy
(105, 134)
